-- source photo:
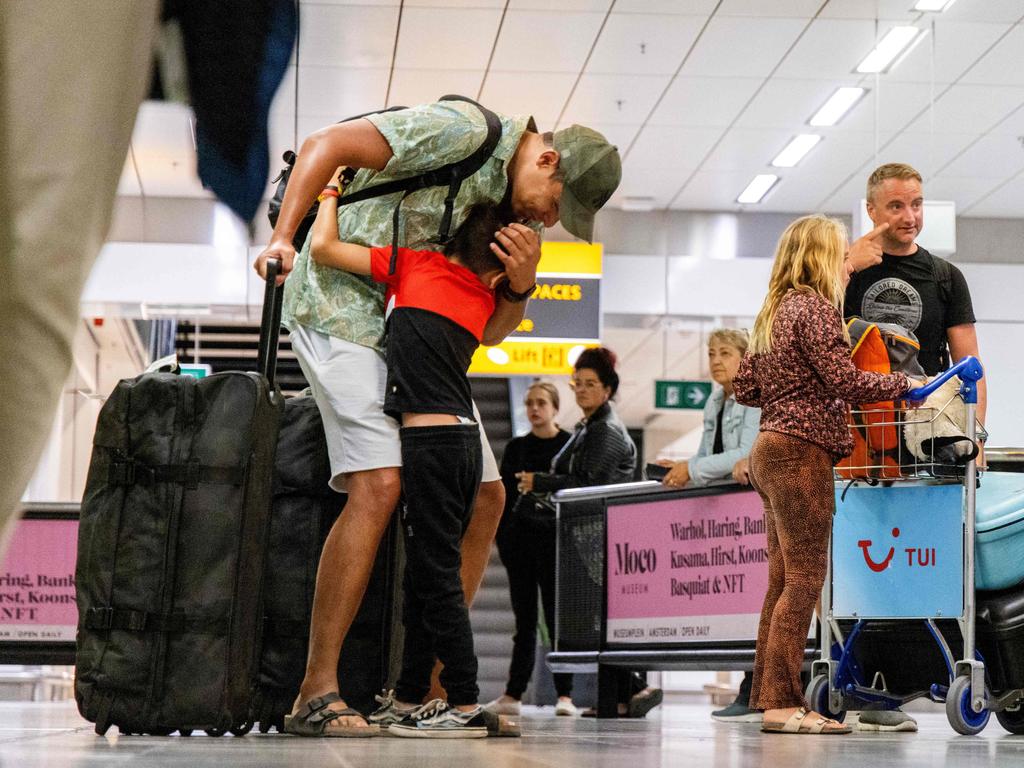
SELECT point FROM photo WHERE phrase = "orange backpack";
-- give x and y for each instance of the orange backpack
(882, 348)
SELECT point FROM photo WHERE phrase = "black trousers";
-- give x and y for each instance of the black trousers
(527, 548)
(441, 470)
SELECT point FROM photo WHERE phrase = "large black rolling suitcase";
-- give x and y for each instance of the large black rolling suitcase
(171, 548)
(304, 509)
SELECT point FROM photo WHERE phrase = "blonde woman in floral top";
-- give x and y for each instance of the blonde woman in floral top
(798, 371)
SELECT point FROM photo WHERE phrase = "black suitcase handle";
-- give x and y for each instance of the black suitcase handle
(270, 325)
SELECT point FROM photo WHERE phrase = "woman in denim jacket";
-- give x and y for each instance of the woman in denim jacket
(729, 428)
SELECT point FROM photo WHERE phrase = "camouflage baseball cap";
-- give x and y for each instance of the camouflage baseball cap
(592, 171)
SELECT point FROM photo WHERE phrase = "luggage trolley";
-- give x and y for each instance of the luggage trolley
(901, 565)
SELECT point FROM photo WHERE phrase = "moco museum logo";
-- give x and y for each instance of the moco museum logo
(921, 557)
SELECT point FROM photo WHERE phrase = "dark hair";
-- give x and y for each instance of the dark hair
(601, 361)
(471, 243)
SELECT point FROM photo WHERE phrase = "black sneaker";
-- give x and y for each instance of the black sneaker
(437, 720)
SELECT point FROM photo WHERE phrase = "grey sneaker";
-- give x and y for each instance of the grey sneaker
(737, 713)
(885, 720)
(390, 711)
(437, 720)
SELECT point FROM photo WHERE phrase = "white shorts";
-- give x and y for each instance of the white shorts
(347, 381)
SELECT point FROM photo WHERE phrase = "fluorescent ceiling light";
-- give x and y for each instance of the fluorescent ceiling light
(933, 5)
(888, 48)
(795, 150)
(757, 188)
(838, 105)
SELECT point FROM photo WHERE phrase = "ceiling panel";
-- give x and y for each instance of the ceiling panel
(831, 48)
(719, 52)
(614, 98)
(800, 9)
(964, 191)
(1012, 124)
(971, 108)
(996, 157)
(957, 45)
(748, 150)
(595, 6)
(542, 42)
(469, 4)
(708, 191)
(927, 152)
(542, 95)
(682, 7)
(788, 103)
(893, 105)
(410, 87)
(644, 44)
(346, 36)
(662, 158)
(446, 38)
(705, 101)
(795, 196)
(620, 135)
(846, 197)
(835, 157)
(339, 92)
(896, 10)
(1005, 202)
(987, 10)
(1002, 65)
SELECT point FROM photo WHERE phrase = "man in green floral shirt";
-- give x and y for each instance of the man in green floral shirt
(336, 321)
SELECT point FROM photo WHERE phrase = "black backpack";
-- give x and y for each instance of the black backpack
(451, 176)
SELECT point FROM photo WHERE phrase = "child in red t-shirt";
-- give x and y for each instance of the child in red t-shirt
(439, 305)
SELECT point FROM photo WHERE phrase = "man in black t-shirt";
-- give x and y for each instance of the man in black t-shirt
(900, 282)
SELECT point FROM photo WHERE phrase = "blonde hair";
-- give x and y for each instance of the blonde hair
(808, 259)
(546, 386)
(731, 336)
(890, 171)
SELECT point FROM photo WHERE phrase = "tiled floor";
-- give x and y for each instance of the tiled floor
(41, 735)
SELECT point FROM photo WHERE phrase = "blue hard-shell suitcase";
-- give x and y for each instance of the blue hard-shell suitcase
(999, 522)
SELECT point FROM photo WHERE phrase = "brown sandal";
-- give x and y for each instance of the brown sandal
(314, 718)
(800, 723)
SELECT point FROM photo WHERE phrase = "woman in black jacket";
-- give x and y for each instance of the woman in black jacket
(600, 452)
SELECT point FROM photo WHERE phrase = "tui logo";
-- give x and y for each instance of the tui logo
(865, 544)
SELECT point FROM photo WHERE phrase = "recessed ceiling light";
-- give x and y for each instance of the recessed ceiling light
(795, 150)
(933, 5)
(888, 48)
(839, 104)
(757, 188)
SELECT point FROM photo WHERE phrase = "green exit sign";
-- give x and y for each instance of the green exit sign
(681, 394)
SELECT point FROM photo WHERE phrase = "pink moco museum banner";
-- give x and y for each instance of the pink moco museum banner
(37, 582)
(689, 569)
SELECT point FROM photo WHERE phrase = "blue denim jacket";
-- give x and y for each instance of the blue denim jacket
(740, 425)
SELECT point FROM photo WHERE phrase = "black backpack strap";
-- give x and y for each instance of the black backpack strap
(942, 273)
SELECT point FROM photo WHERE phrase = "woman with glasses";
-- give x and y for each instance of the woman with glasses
(600, 452)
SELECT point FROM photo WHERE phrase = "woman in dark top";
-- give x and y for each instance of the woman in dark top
(600, 452)
(526, 543)
(799, 372)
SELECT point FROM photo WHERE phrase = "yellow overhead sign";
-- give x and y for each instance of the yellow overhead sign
(531, 358)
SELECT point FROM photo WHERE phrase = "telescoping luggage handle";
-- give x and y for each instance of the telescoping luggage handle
(970, 372)
(270, 325)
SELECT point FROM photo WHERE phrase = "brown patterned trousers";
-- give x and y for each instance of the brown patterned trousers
(794, 479)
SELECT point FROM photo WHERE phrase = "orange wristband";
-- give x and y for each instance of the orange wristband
(328, 192)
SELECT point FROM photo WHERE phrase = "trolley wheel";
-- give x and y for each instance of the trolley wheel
(1013, 721)
(265, 726)
(958, 708)
(817, 698)
(185, 731)
(160, 731)
(215, 732)
(241, 730)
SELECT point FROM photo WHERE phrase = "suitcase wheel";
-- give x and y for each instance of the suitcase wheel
(215, 732)
(101, 730)
(185, 731)
(1012, 720)
(160, 731)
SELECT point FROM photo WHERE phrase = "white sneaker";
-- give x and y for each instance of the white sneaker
(437, 720)
(501, 706)
(565, 709)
